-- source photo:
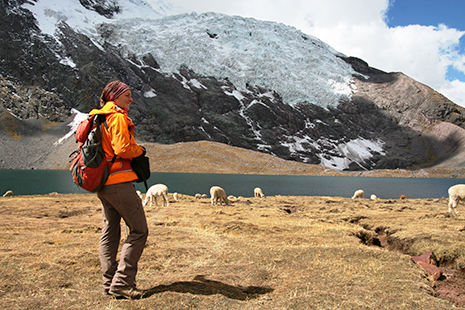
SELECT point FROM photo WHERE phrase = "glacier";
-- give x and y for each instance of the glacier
(244, 50)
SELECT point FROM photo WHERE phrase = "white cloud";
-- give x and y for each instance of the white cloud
(453, 89)
(421, 52)
(358, 28)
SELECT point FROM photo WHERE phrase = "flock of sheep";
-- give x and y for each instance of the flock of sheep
(456, 194)
(217, 194)
(359, 194)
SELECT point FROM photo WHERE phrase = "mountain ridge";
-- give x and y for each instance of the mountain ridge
(187, 157)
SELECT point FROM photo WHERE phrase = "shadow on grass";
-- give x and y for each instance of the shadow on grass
(201, 286)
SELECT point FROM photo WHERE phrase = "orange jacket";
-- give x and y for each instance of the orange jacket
(118, 140)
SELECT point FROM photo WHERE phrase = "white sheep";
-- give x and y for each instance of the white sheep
(157, 190)
(198, 196)
(8, 193)
(140, 195)
(358, 194)
(373, 197)
(175, 196)
(204, 195)
(258, 193)
(217, 193)
(456, 193)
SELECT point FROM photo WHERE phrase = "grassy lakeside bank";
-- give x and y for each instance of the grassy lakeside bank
(281, 252)
(214, 157)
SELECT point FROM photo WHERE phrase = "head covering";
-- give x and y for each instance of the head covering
(112, 91)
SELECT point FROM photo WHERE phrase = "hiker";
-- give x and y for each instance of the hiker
(119, 197)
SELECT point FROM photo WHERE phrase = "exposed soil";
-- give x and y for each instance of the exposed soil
(450, 285)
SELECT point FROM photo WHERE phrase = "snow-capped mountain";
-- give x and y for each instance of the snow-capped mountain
(85, 15)
(244, 50)
(259, 85)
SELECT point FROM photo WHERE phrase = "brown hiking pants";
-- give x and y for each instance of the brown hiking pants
(121, 201)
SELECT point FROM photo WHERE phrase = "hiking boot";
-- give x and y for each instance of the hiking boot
(128, 293)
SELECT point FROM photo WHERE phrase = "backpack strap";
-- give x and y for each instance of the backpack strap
(102, 118)
(105, 124)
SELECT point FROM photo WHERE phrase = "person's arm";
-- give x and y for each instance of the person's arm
(123, 142)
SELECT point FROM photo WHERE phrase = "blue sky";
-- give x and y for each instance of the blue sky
(423, 39)
(426, 13)
(431, 13)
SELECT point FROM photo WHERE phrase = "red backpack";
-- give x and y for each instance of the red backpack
(89, 168)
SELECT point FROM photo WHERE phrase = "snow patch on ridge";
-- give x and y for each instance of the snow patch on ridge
(196, 83)
(79, 117)
(150, 93)
(357, 150)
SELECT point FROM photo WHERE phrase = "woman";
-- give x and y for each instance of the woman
(119, 197)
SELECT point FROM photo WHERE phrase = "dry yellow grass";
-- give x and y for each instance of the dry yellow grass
(279, 252)
(214, 157)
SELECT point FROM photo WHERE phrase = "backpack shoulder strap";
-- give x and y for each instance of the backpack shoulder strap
(102, 119)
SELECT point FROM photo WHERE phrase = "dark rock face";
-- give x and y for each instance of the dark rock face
(172, 108)
(103, 7)
(30, 102)
(406, 111)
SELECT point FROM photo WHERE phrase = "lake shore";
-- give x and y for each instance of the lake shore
(200, 157)
(213, 157)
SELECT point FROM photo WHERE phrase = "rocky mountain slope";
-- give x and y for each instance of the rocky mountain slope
(386, 121)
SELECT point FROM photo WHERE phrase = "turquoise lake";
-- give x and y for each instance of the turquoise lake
(37, 182)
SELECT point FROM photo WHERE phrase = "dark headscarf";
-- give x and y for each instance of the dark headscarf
(112, 91)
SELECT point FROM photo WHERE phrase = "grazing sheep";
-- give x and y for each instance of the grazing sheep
(157, 190)
(373, 197)
(175, 196)
(8, 193)
(456, 194)
(198, 196)
(140, 195)
(258, 193)
(217, 193)
(402, 197)
(358, 194)
(204, 195)
(231, 197)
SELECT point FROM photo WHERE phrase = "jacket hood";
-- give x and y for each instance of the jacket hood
(109, 108)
